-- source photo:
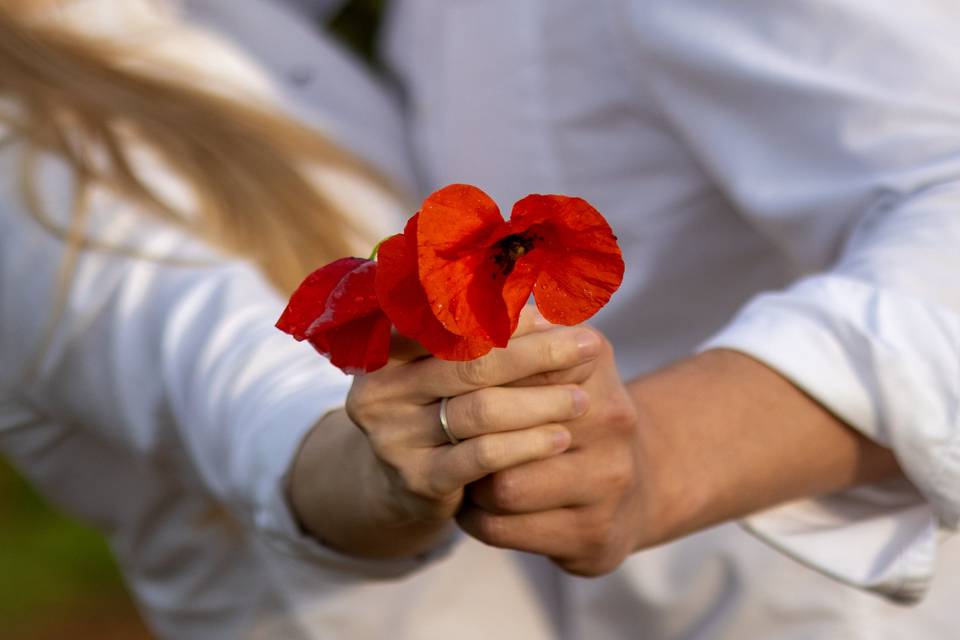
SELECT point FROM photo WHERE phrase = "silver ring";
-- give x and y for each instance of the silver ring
(446, 425)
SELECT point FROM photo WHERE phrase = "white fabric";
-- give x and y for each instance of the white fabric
(165, 407)
(317, 9)
(807, 151)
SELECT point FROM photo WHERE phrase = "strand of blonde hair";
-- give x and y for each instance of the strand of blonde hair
(247, 165)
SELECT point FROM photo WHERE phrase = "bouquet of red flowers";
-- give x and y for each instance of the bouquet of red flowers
(457, 278)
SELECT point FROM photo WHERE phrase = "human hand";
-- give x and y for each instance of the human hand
(404, 473)
(583, 508)
(670, 453)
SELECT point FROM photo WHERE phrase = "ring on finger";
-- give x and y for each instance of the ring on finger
(445, 424)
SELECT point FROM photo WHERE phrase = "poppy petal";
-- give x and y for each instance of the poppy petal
(405, 302)
(351, 298)
(359, 346)
(517, 288)
(457, 226)
(577, 259)
(309, 300)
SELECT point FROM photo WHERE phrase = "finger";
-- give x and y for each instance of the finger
(541, 485)
(567, 536)
(456, 466)
(546, 533)
(404, 349)
(530, 322)
(498, 409)
(528, 355)
(574, 375)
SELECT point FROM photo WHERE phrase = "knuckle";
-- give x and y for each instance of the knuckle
(573, 567)
(606, 349)
(596, 535)
(506, 491)
(621, 416)
(371, 389)
(356, 408)
(591, 545)
(366, 417)
(473, 373)
(556, 354)
(412, 480)
(588, 568)
(489, 529)
(432, 488)
(364, 406)
(619, 474)
(482, 411)
(487, 453)
(387, 443)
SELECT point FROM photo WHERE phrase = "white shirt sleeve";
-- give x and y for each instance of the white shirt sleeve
(834, 127)
(166, 350)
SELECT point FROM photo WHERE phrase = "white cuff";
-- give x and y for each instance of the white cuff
(861, 537)
(888, 365)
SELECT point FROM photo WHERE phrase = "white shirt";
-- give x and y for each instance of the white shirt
(795, 166)
(167, 409)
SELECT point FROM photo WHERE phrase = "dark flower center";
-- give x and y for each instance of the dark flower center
(508, 250)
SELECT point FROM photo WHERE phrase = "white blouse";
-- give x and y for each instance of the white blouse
(805, 159)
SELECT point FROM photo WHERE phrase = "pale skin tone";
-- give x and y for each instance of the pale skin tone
(562, 458)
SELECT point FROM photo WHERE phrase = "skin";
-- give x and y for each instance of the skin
(709, 439)
(560, 457)
(379, 479)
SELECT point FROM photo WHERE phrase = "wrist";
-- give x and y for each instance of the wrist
(722, 436)
(672, 494)
(340, 494)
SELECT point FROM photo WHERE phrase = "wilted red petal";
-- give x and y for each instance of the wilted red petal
(359, 346)
(309, 300)
(336, 309)
(576, 256)
(404, 301)
(351, 298)
(457, 226)
(320, 342)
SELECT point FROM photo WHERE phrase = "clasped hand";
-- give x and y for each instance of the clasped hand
(547, 461)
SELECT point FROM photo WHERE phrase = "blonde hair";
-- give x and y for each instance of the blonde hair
(80, 98)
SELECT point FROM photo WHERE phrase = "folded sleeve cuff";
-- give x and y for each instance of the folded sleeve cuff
(889, 366)
(858, 538)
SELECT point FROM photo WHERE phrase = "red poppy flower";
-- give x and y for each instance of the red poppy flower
(337, 311)
(478, 271)
(405, 302)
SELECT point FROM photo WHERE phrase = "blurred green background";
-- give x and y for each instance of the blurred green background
(58, 579)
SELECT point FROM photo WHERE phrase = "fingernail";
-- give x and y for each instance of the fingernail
(579, 400)
(561, 440)
(588, 344)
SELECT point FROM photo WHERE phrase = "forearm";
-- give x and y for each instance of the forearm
(727, 436)
(340, 495)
